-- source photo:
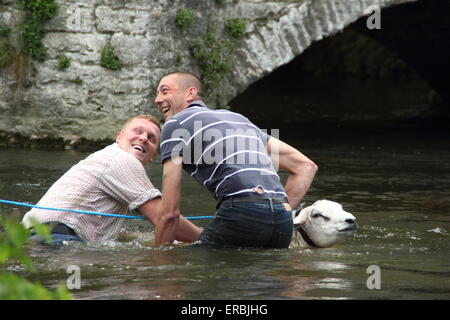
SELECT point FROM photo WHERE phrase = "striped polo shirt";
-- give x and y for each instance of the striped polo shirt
(222, 150)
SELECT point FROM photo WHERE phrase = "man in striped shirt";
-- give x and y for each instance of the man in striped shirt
(111, 180)
(234, 160)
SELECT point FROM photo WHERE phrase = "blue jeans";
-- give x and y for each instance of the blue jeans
(59, 232)
(249, 224)
(57, 238)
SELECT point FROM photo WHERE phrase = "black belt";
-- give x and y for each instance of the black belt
(61, 228)
(247, 198)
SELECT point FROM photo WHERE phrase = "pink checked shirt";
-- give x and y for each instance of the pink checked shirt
(110, 180)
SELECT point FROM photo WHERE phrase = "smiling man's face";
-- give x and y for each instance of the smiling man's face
(170, 97)
(140, 138)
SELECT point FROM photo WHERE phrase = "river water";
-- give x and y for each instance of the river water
(396, 184)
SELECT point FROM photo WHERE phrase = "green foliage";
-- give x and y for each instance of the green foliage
(184, 18)
(220, 2)
(180, 60)
(4, 30)
(14, 287)
(40, 10)
(13, 237)
(32, 34)
(214, 57)
(77, 81)
(109, 59)
(37, 13)
(5, 52)
(236, 28)
(63, 62)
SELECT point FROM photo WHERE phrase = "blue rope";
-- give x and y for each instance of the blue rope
(23, 204)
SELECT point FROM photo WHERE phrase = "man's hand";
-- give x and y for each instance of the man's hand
(186, 232)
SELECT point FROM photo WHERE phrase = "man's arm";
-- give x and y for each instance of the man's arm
(301, 169)
(169, 213)
(187, 231)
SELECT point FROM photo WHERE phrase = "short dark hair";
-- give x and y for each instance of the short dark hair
(188, 79)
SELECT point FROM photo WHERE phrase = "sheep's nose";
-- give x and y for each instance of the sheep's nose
(351, 221)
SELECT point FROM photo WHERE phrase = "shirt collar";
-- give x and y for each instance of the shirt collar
(197, 103)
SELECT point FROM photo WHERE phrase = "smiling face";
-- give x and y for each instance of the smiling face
(174, 93)
(140, 137)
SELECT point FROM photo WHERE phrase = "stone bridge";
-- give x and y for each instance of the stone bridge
(292, 28)
(87, 101)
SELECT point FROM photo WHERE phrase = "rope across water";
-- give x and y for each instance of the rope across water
(23, 204)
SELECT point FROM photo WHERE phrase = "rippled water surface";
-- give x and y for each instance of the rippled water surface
(398, 187)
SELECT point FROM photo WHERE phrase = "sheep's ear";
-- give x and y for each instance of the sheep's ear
(302, 217)
(297, 210)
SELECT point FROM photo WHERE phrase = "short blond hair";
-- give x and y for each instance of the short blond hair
(147, 117)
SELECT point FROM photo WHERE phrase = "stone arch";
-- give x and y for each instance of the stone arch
(89, 102)
(290, 31)
(420, 38)
(414, 32)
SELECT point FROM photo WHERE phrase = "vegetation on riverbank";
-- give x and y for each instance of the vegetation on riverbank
(214, 53)
(13, 239)
(18, 46)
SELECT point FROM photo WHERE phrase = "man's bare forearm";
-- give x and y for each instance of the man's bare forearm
(297, 185)
(300, 168)
(169, 214)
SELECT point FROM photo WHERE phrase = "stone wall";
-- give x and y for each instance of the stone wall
(87, 101)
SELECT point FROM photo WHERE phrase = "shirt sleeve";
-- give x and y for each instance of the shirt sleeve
(264, 136)
(126, 180)
(174, 139)
(262, 133)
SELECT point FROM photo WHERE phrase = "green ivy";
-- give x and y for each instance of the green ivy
(236, 28)
(5, 46)
(214, 57)
(184, 18)
(37, 13)
(63, 62)
(109, 59)
(4, 31)
(215, 54)
(5, 53)
(40, 10)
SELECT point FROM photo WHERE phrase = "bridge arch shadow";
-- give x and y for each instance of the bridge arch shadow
(360, 80)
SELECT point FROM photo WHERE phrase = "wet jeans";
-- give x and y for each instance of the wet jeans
(249, 224)
(59, 232)
(57, 238)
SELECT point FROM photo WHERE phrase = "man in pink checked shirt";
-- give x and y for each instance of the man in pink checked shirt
(111, 180)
